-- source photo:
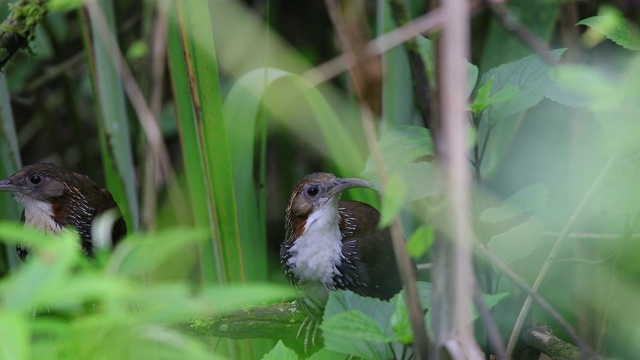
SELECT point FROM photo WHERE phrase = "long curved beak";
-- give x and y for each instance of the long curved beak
(348, 183)
(7, 185)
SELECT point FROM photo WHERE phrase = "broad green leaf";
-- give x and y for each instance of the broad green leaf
(353, 325)
(529, 75)
(612, 24)
(393, 199)
(15, 342)
(518, 242)
(47, 268)
(280, 352)
(532, 197)
(378, 310)
(420, 241)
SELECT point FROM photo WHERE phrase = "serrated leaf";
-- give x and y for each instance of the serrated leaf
(614, 26)
(280, 352)
(530, 75)
(532, 197)
(393, 199)
(420, 241)
(354, 324)
(378, 310)
(518, 242)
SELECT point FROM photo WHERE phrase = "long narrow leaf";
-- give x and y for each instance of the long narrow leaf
(115, 143)
(195, 25)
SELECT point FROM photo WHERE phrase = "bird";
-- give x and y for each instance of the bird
(55, 198)
(335, 245)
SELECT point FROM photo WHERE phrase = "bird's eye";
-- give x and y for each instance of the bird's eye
(34, 179)
(312, 191)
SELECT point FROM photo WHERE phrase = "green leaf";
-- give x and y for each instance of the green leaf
(529, 75)
(532, 197)
(378, 310)
(141, 253)
(64, 5)
(393, 199)
(14, 336)
(614, 26)
(420, 241)
(402, 331)
(518, 242)
(111, 108)
(326, 354)
(48, 267)
(354, 324)
(280, 352)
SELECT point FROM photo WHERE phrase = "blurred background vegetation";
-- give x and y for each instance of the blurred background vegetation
(200, 115)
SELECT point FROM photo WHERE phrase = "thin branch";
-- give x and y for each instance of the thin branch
(554, 253)
(421, 339)
(454, 279)
(510, 22)
(541, 339)
(334, 67)
(520, 283)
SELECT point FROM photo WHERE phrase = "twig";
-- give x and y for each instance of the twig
(405, 266)
(334, 67)
(454, 278)
(554, 253)
(517, 281)
(511, 23)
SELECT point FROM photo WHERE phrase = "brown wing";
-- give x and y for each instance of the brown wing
(375, 249)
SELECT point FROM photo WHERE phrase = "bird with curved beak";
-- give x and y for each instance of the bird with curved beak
(332, 245)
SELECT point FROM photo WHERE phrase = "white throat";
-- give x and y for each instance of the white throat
(39, 215)
(316, 254)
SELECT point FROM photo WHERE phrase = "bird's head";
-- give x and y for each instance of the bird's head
(38, 182)
(317, 192)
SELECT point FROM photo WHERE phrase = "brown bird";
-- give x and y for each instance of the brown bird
(333, 244)
(54, 198)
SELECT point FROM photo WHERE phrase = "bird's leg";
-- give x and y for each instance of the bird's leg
(309, 324)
